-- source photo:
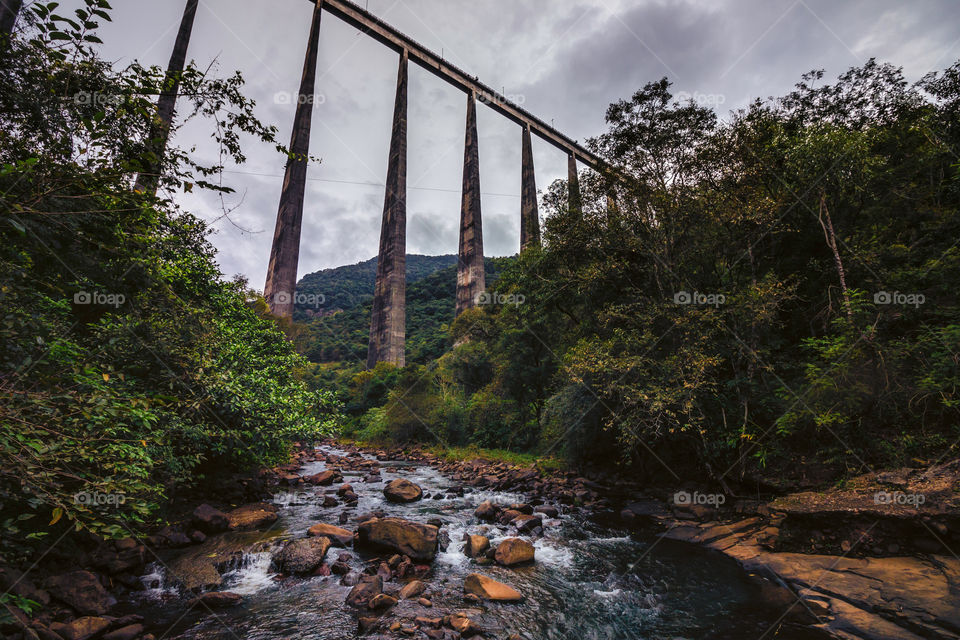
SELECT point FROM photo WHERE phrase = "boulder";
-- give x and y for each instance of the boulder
(462, 624)
(514, 551)
(526, 523)
(218, 599)
(364, 591)
(302, 556)
(486, 511)
(412, 590)
(210, 520)
(489, 589)
(476, 546)
(82, 591)
(252, 516)
(382, 601)
(402, 490)
(128, 632)
(550, 512)
(324, 478)
(338, 536)
(81, 628)
(418, 541)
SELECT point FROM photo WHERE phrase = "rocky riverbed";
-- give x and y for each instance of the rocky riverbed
(353, 543)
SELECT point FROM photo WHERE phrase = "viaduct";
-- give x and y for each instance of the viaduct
(387, 330)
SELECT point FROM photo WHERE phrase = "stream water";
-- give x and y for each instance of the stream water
(590, 580)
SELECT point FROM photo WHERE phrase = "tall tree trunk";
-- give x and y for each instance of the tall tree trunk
(831, 238)
(160, 131)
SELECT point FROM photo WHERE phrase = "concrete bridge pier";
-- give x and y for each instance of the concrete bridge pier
(470, 272)
(281, 285)
(529, 215)
(573, 184)
(9, 10)
(160, 130)
(388, 323)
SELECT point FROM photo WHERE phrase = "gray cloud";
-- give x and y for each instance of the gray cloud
(565, 60)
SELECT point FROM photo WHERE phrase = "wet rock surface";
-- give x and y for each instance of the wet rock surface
(601, 551)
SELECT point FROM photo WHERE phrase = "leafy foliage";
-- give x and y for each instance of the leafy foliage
(131, 370)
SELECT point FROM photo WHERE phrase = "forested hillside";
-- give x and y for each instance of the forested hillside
(773, 296)
(346, 287)
(343, 336)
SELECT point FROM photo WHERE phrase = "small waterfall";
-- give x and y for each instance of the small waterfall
(252, 573)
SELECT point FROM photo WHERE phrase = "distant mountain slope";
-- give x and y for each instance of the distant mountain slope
(345, 287)
(431, 302)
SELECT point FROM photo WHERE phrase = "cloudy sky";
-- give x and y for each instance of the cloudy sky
(564, 60)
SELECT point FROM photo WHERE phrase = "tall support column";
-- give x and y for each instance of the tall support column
(573, 184)
(470, 273)
(9, 10)
(281, 285)
(160, 130)
(388, 324)
(529, 215)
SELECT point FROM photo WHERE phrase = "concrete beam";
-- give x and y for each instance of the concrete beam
(470, 272)
(388, 322)
(280, 289)
(529, 215)
(365, 21)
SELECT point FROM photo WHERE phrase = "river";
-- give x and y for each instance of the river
(592, 580)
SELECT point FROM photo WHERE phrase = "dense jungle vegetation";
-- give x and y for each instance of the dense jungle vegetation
(130, 369)
(773, 296)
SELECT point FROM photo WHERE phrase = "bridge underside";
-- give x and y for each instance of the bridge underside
(387, 329)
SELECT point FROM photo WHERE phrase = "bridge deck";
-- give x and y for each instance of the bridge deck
(380, 30)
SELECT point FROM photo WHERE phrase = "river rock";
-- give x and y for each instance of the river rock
(338, 536)
(462, 624)
(81, 628)
(419, 541)
(402, 490)
(486, 511)
(128, 632)
(525, 523)
(210, 520)
(252, 516)
(382, 601)
(82, 591)
(303, 556)
(412, 590)
(550, 512)
(364, 591)
(324, 478)
(476, 546)
(489, 589)
(514, 551)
